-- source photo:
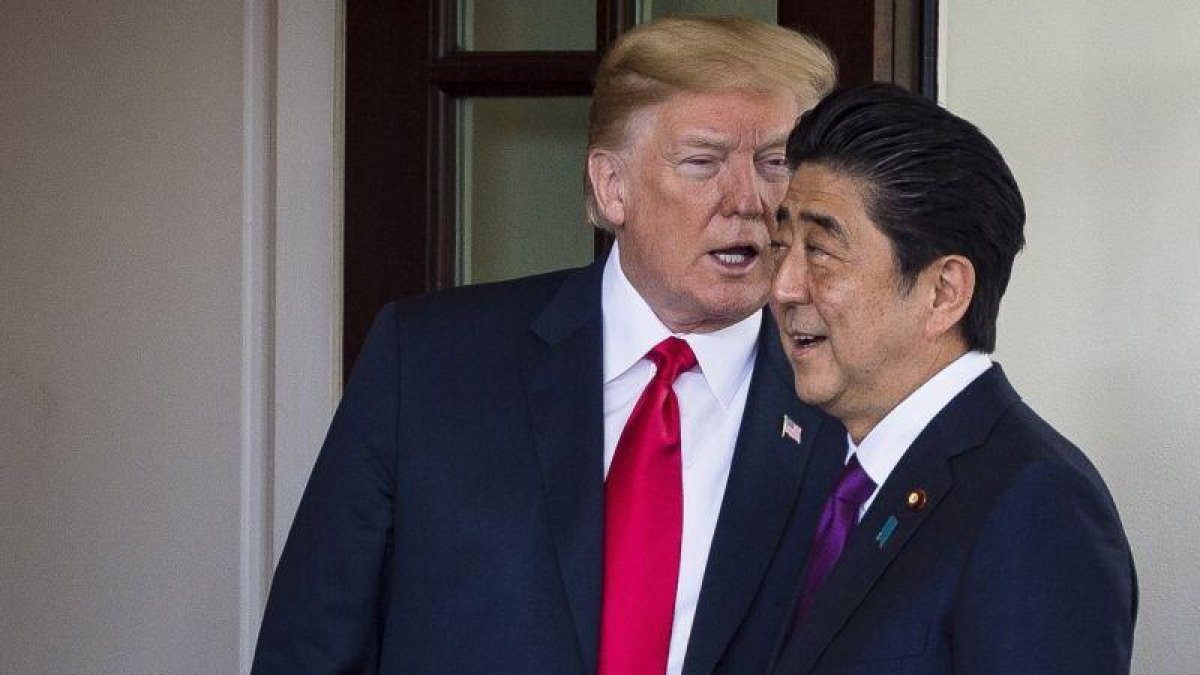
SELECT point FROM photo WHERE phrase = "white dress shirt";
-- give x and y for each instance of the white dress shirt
(882, 448)
(711, 397)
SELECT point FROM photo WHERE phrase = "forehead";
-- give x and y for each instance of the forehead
(818, 194)
(734, 115)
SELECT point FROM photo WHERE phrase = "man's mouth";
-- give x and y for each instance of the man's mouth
(805, 342)
(736, 256)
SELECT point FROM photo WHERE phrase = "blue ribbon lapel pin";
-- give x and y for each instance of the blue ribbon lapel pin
(885, 532)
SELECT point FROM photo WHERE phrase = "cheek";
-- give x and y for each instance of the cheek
(658, 247)
(775, 191)
(673, 202)
(830, 294)
(871, 331)
(691, 194)
(851, 322)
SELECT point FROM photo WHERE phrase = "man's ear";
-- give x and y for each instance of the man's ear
(608, 173)
(953, 286)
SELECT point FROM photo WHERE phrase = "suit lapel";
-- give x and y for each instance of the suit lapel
(564, 387)
(760, 496)
(890, 523)
(865, 558)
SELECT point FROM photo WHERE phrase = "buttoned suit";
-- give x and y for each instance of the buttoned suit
(993, 547)
(453, 521)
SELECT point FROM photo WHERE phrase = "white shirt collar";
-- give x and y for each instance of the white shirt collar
(883, 447)
(631, 329)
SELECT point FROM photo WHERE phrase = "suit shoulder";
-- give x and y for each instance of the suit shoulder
(1025, 458)
(1034, 441)
(486, 307)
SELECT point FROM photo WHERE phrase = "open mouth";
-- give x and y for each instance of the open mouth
(735, 256)
(805, 342)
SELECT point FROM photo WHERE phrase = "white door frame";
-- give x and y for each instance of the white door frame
(292, 270)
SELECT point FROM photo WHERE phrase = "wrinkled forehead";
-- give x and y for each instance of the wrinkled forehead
(718, 118)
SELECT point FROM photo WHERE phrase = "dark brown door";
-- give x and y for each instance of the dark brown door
(408, 73)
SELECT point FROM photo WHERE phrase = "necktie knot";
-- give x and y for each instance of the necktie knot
(672, 356)
(854, 486)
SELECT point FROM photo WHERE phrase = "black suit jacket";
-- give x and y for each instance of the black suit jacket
(453, 521)
(1016, 563)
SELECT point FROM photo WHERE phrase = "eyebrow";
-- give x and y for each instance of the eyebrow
(718, 142)
(700, 141)
(827, 223)
(780, 139)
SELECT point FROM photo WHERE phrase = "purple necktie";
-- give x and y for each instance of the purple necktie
(838, 518)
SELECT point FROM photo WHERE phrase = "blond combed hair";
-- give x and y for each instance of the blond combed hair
(698, 54)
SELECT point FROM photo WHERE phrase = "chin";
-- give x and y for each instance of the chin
(812, 395)
(724, 307)
(753, 286)
(740, 302)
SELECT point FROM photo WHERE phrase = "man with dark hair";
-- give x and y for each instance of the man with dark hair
(961, 533)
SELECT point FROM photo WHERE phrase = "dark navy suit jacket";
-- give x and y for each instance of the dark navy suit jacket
(1016, 563)
(453, 521)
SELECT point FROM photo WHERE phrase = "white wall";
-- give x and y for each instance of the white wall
(1097, 109)
(167, 321)
(121, 333)
(307, 258)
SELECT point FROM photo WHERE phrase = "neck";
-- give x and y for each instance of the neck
(701, 326)
(921, 371)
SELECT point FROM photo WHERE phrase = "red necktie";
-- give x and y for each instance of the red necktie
(643, 525)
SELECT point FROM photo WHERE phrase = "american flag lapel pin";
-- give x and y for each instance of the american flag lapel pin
(790, 429)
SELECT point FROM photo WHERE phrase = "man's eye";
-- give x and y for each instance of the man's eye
(700, 167)
(774, 169)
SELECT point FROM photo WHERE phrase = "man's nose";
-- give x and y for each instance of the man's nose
(743, 192)
(791, 283)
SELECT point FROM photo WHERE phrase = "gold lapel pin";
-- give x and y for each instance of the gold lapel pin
(916, 499)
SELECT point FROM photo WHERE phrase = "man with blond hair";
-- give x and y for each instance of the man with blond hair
(596, 470)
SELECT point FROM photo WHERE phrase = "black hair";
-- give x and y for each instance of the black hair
(934, 185)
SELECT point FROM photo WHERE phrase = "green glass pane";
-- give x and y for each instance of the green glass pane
(763, 10)
(520, 187)
(529, 25)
